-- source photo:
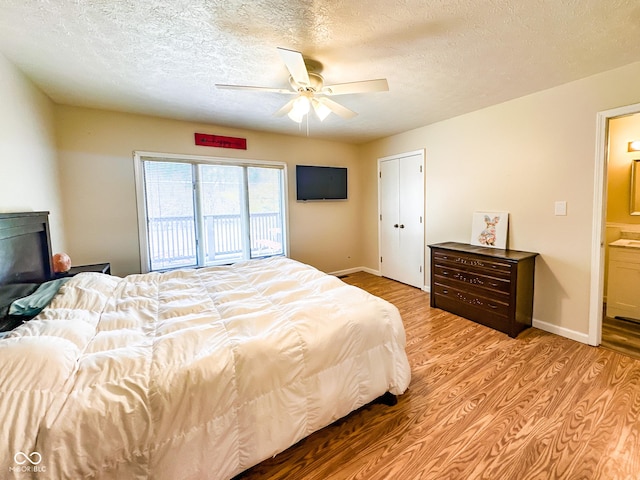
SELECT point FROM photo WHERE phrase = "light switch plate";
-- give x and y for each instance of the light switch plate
(560, 208)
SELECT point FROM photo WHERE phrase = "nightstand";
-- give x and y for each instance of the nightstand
(96, 267)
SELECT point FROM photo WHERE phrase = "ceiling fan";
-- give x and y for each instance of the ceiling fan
(310, 91)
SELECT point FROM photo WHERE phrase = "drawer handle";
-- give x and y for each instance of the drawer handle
(492, 306)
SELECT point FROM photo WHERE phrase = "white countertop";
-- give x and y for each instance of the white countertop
(626, 242)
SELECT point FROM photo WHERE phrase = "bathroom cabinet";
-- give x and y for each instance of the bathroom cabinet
(624, 281)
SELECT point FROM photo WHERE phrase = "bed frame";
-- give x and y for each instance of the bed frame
(25, 248)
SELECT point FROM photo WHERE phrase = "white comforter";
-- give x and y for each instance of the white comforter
(190, 374)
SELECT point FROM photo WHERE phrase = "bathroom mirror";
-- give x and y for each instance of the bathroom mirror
(635, 188)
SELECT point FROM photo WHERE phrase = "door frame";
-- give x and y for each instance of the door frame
(599, 224)
(422, 153)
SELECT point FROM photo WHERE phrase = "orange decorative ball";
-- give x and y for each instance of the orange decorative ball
(61, 263)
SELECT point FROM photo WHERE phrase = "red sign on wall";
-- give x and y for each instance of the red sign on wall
(220, 141)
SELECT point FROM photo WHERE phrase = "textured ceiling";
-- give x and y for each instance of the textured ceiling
(442, 58)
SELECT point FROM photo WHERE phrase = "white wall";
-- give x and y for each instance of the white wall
(96, 159)
(520, 156)
(28, 163)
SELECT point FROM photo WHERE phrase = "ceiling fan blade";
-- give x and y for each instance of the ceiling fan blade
(286, 108)
(365, 86)
(295, 64)
(336, 108)
(258, 89)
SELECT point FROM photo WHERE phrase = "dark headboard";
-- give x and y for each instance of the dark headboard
(25, 248)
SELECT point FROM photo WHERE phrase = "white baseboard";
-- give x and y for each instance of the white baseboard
(563, 332)
(354, 270)
(371, 271)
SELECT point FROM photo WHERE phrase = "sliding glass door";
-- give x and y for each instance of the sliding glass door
(201, 213)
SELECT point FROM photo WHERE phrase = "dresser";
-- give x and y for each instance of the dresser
(490, 286)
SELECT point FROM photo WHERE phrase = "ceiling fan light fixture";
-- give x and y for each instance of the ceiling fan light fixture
(300, 109)
(321, 110)
(295, 116)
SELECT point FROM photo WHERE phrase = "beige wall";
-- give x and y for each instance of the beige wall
(520, 156)
(28, 164)
(96, 159)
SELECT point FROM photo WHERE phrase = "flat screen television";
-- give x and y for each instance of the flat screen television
(321, 183)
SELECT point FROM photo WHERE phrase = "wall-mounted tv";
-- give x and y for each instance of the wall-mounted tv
(321, 183)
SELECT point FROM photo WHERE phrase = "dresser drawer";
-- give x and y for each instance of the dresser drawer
(490, 305)
(471, 279)
(471, 312)
(483, 265)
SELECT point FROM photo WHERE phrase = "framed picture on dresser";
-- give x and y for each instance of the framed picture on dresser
(489, 229)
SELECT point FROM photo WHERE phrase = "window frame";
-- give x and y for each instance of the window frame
(140, 156)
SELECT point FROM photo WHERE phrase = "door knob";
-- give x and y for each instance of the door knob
(401, 225)
(395, 226)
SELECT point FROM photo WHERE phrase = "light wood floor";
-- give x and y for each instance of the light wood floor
(481, 406)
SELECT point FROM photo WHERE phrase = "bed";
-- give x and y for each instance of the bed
(198, 373)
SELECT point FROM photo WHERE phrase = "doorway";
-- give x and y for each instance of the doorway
(401, 217)
(621, 314)
(599, 234)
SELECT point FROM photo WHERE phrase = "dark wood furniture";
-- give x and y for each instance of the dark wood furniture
(25, 248)
(490, 286)
(95, 267)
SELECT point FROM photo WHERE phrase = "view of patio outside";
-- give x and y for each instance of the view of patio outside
(228, 233)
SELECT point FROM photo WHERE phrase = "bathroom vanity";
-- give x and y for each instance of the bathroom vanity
(623, 300)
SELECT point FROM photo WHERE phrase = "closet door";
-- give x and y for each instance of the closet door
(389, 230)
(401, 215)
